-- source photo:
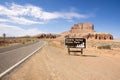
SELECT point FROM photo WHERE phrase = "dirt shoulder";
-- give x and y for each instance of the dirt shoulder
(53, 63)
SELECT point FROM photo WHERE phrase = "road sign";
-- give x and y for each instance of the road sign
(75, 42)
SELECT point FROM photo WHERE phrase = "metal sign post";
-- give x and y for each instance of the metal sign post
(4, 36)
(75, 43)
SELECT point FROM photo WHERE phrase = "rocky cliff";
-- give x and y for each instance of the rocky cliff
(82, 28)
(46, 36)
(86, 30)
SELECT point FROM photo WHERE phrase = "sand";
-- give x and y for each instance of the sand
(54, 63)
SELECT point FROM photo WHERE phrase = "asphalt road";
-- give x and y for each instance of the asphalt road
(11, 57)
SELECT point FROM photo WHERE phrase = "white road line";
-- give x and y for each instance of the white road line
(15, 65)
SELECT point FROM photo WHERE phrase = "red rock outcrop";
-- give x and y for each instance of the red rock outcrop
(86, 30)
(82, 28)
(46, 36)
(99, 36)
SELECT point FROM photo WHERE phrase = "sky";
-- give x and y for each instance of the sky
(30, 17)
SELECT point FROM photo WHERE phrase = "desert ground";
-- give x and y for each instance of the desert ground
(52, 62)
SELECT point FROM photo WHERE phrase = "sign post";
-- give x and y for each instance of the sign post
(75, 43)
(4, 36)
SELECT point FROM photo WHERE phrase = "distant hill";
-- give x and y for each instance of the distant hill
(46, 36)
(85, 30)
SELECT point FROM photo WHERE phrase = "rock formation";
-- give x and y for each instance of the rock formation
(82, 28)
(46, 36)
(86, 30)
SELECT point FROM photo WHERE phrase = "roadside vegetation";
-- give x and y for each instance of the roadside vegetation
(104, 44)
(11, 41)
(104, 47)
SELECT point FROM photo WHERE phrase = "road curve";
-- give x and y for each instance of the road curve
(11, 59)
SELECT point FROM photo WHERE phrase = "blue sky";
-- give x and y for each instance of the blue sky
(30, 17)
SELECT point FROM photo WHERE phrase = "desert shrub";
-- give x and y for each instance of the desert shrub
(104, 47)
(28, 40)
(23, 42)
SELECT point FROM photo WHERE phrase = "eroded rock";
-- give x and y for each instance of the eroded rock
(86, 30)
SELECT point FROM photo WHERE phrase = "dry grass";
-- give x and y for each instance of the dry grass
(15, 41)
(98, 44)
(110, 43)
(57, 43)
(104, 47)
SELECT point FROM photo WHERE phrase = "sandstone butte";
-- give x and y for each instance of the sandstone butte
(86, 30)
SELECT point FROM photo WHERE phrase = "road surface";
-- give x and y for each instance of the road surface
(10, 58)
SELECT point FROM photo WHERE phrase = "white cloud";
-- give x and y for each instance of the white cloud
(29, 14)
(17, 31)
(71, 15)
(4, 20)
(22, 20)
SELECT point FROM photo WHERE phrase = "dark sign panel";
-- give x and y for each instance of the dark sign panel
(75, 42)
